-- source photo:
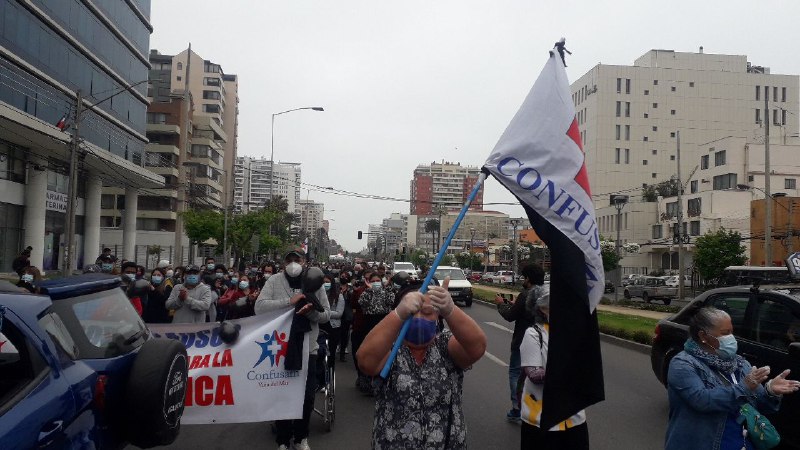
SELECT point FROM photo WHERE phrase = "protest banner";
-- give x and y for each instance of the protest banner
(244, 381)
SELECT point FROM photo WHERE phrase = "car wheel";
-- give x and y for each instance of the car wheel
(645, 297)
(626, 294)
(468, 302)
(156, 393)
(667, 301)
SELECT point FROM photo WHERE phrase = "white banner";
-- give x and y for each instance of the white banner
(243, 382)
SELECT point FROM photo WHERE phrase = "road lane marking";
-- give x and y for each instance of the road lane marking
(495, 359)
(499, 327)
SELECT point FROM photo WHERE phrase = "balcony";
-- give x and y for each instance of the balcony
(163, 128)
(163, 171)
(203, 122)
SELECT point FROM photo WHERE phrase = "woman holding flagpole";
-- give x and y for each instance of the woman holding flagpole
(419, 404)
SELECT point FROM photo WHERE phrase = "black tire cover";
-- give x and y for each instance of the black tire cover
(155, 394)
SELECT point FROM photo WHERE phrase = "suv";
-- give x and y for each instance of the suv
(460, 288)
(406, 267)
(650, 288)
(79, 369)
(503, 277)
(766, 323)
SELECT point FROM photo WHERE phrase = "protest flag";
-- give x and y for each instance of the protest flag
(540, 159)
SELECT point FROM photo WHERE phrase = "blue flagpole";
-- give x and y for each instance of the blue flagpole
(429, 276)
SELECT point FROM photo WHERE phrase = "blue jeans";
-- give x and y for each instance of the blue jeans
(513, 376)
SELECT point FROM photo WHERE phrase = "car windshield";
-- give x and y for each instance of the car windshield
(403, 267)
(102, 324)
(454, 274)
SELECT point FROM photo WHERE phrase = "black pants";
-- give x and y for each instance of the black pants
(576, 438)
(369, 322)
(356, 338)
(333, 343)
(298, 428)
(344, 336)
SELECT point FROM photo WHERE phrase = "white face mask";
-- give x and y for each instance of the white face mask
(293, 269)
(170, 273)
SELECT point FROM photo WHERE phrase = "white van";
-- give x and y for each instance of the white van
(460, 288)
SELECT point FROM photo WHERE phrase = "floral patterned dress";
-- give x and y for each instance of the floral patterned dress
(419, 406)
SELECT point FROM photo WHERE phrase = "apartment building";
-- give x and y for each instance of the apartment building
(309, 216)
(252, 183)
(50, 52)
(632, 116)
(443, 185)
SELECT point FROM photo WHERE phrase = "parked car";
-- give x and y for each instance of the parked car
(609, 287)
(406, 267)
(460, 288)
(503, 277)
(650, 288)
(766, 323)
(488, 277)
(474, 276)
(629, 279)
(79, 369)
(672, 281)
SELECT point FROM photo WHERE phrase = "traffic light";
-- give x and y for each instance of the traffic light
(360, 235)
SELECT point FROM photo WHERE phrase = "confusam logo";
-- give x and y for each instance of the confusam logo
(273, 348)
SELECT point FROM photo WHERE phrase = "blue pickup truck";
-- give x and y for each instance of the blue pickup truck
(79, 369)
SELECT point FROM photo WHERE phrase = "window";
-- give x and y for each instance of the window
(644, 162)
(653, 175)
(758, 92)
(645, 139)
(655, 105)
(646, 92)
(704, 162)
(619, 129)
(672, 88)
(719, 158)
(12, 162)
(156, 118)
(758, 116)
(735, 305)
(694, 228)
(655, 128)
(691, 84)
(655, 82)
(672, 210)
(20, 363)
(212, 95)
(672, 134)
(775, 117)
(693, 187)
(627, 156)
(783, 94)
(627, 85)
(790, 183)
(619, 85)
(107, 201)
(672, 112)
(616, 155)
(627, 109)
(672, 157)
(658, 232)
(655, 152)
(619, 108)
(180, 66)
(775, 93)
(627, 132)
(783, 117)
(211, 109)
(693, 207)
(646, 115)
(777, 325)
(727, 181)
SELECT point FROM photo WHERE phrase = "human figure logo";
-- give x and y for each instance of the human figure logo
(273, 347)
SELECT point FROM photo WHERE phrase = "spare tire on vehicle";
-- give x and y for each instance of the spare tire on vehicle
(155, 394)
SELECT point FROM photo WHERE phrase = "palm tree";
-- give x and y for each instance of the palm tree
(432, 226)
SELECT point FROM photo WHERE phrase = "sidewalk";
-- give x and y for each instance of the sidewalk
(608, 308)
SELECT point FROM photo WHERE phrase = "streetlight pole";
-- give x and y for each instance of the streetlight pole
(471, 247)
(680, 218)
(514, 261)
(272, 145)
(767, 176)
(618, 201)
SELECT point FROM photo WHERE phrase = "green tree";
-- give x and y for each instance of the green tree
(447, 260)
(203, 224)
(419, 258)
(714, 251)
(467, 260)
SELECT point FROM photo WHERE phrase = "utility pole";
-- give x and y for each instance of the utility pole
(514, 260)
(680, 217)
(69, 244)
(791, 232)
(618, 201)
(767, 202)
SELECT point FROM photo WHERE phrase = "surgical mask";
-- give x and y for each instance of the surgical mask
(375, 285)
(192, 279)
(294, 269)
(230, 273)
(170, 273)
(219, 275)
(107, 267)
(327, 286)
(156, 279)
(129, 276)
(267, 275)
(28, 278)
(421, 330)
(210, 266)
(243, 284)
(234, 280)
(727, 346)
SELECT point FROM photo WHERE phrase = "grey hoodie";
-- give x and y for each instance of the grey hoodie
(194, 309)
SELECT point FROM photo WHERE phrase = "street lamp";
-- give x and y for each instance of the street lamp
(272, 146)
(618, 201)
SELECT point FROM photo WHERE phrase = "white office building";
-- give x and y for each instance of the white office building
(252, 183)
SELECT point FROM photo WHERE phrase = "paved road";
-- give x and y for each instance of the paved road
(633, 416)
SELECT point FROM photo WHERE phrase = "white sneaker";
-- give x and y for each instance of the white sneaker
(283, 447)
(302, 445)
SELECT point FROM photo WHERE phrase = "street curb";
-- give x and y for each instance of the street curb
(608, 338)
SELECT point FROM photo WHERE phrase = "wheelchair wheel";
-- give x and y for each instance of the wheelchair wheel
(330, 399)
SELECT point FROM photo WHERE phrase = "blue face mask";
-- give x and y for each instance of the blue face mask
(210, 266)
(156, 279)
(234, 280)
(107, 267)
(244, 284)
(421, 331)
(327, 286)
(727, 346)
(219, 275)
(192, 279)
(28, 278)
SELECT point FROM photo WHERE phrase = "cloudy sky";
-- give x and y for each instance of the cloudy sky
(410, 82)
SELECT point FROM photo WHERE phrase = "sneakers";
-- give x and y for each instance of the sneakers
(302, 445)
(513, 415)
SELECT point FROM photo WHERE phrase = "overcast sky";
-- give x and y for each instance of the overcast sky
(410, 82)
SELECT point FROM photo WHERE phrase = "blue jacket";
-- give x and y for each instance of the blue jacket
(700, 402)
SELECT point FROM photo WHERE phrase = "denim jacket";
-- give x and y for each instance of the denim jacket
(700, 402)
